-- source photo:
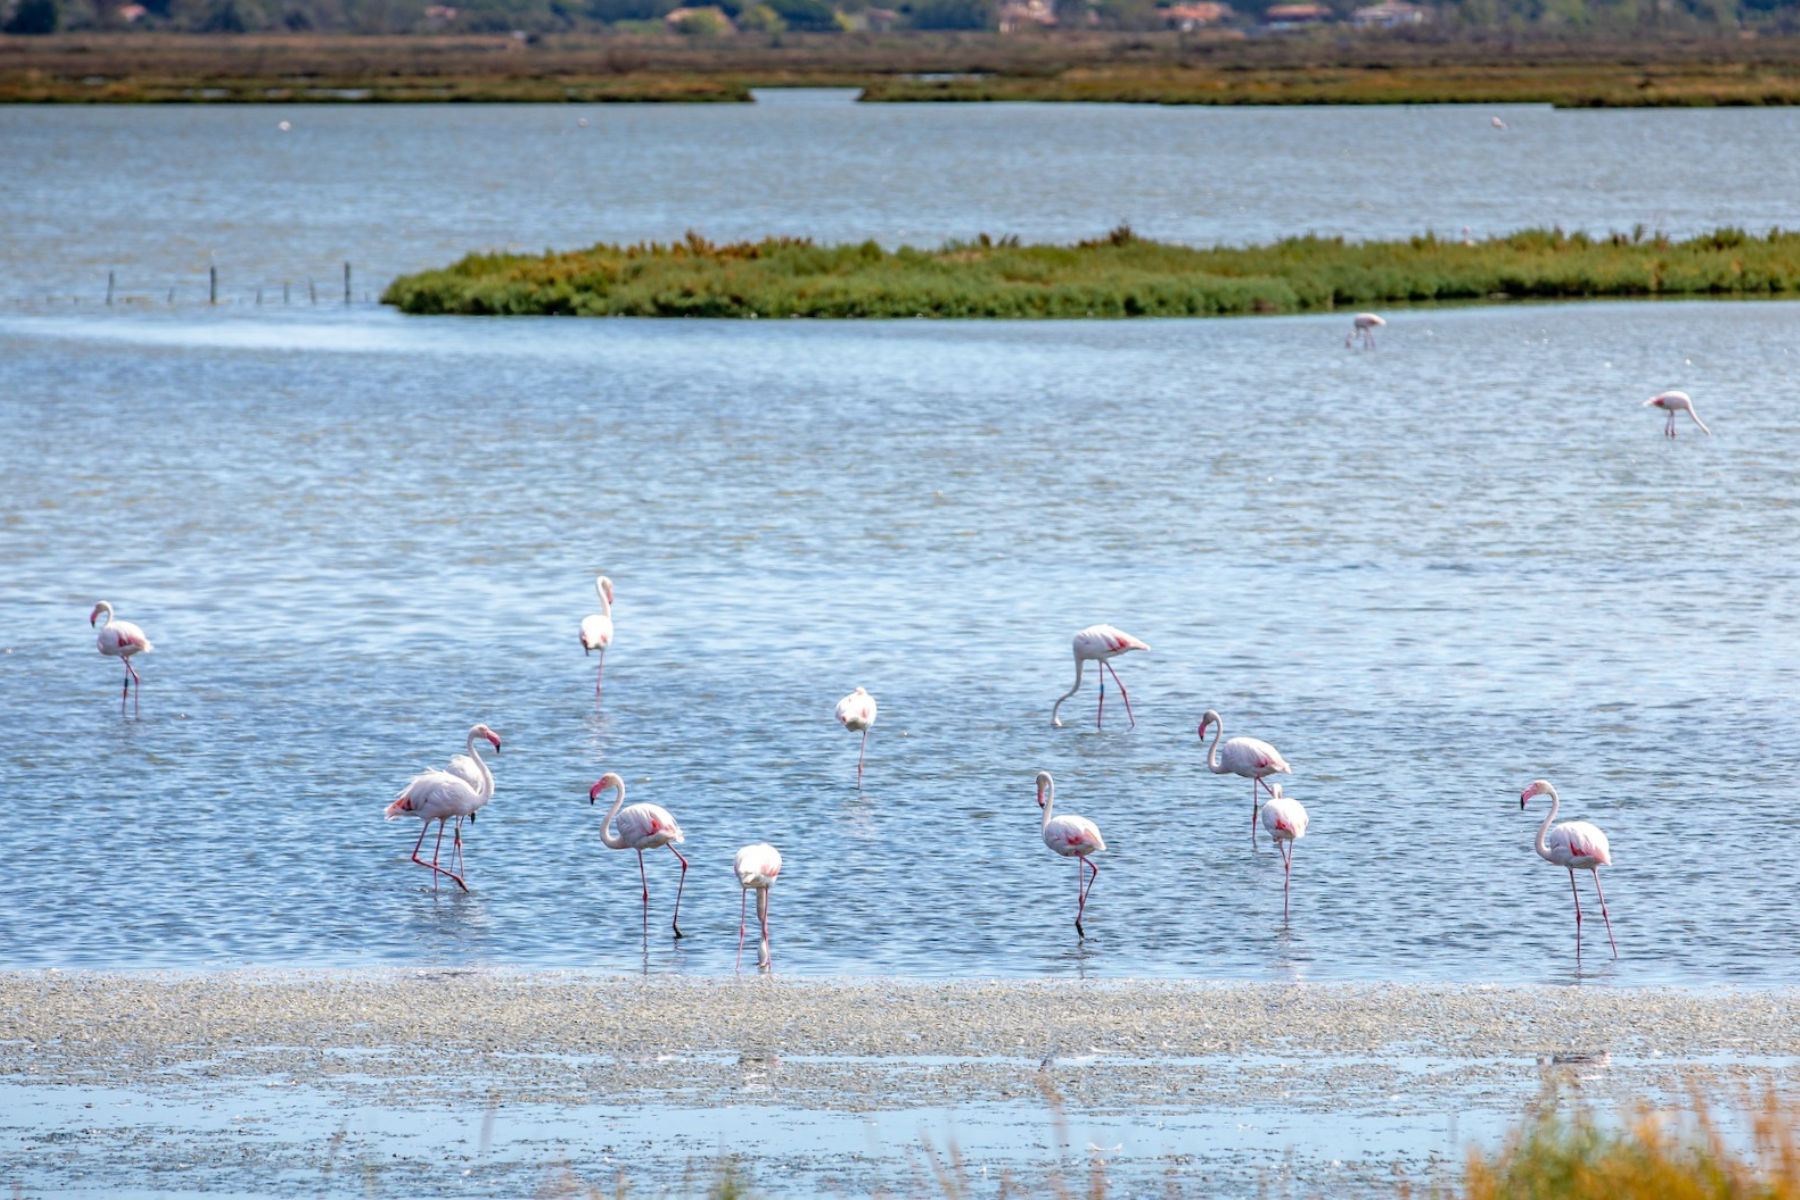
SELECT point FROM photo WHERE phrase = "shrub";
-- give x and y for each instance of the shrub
(34, 17)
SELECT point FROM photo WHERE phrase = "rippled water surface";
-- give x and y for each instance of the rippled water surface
(1428, 574)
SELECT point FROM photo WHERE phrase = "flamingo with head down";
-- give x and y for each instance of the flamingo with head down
(856, 712)
(1672, 403)
(1286, 822)
(641, 827)
(1101, 644)
(1363, 326)
(121, 640)
(756, 868)
(1573, 844)
(1252, 758)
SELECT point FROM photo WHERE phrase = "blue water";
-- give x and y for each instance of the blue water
(1428, 574)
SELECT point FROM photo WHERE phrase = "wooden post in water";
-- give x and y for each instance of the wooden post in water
(346, 282)
(109, 289)
(312, 290)
(212, 286)
(284, 293)
(259, 297)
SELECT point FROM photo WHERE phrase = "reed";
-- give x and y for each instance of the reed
(1557, 1156)
(1119, 275)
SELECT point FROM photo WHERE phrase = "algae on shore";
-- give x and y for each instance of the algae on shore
(1120, 275)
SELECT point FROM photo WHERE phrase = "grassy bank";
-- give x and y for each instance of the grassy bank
(1119, 275)
(1340, 66)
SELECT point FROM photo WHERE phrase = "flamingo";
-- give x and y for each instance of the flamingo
(756, 867)
(1672, 403)
(1100, 643)
(441, 795)
(641, 827)
(1072, 837)
(1285, 820)
(1497, 123)
(856, 712)
(597, 630)
(1573, 844)
(1363, 326)
(121, 640)
(1252, 758)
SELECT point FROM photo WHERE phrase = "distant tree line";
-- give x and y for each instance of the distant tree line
(1569, 17)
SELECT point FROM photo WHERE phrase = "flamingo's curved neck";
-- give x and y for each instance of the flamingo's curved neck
(1049, 803)
(612, 840)
(106, 608)
(486, 790)
(1212, 751)
(1543, 847)
(605, 602)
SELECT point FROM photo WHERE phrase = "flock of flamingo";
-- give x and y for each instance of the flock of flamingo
(463, 788)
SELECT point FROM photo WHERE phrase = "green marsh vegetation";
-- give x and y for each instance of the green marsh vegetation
(1118, 275)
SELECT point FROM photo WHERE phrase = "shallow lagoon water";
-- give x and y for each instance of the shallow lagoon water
(1428, 574)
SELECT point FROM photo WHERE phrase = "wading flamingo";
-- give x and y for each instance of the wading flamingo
(756, 867)
(641, 827)
(1252, 758)
(1072, 837)
(1363, 326)
(1497, 123)
(856, 712)
(1672, 403)
(597, 631)
(1100, 643)
(1285, 820)
(1573, 844)
(440, 796)
(121, 640)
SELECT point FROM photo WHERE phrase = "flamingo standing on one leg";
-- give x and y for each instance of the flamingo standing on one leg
(439, 796)
(641, 827)
(1363, 326)
(856, 712)
(756, 867)
(1252, 758)
(1672, 403)
(1573, 844)
(121, 640)
(1072, 837)
(1285, 820)
(597, 630)
(1100, 643)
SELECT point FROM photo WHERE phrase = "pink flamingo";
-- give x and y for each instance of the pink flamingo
(1672, 403)
(856, 712)
(756, 867)
(1072, 837)
(642, 827)
(1252, 758)
(441, 795)
(1363, 326)
(121, 640)
(1573, 844)
(1285, 820)
(597, 630)
(1100, 643)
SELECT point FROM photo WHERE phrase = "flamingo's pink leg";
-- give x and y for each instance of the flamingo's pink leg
(646, 881)
(1287, 868)
(763, 957)
(859, 756)
(1081, 908)
(675, 922)
(599, 674)
(1604, 914)
(1577, 892)
(126, 691)
(1254, 781)
(1122, 692)
(743, 921)
(1100, 714)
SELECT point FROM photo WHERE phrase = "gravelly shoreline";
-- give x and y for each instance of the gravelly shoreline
(1330, 1086)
